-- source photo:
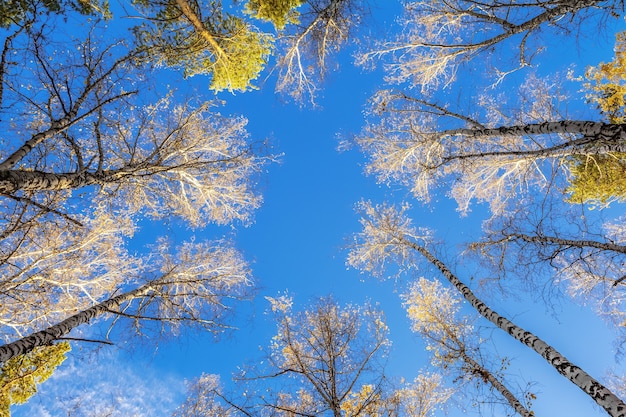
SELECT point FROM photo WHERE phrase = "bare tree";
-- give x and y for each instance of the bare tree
(334, 352)
(84, 158)
(439, 36)
(550, 247)
(193, 288)
(486, 157)
(326, 359)
(454, 342)
(306, 47)
(389, 237)
(204, 398)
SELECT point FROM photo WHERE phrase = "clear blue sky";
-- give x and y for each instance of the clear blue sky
(296, 241)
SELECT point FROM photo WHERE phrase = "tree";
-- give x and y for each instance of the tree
(597, 179)
(20, 375)
(439, 36)
(606, 83)
(15, 12)
(326, 359)
(550, 246)
(423, 144)
(306, 46)
(433, 310)
(600, 179)
(193, 288)
(84, 158)
(389, 237)
(334, 353)
(278, 12)
(200, 38)
(204, 399)
(203, 39)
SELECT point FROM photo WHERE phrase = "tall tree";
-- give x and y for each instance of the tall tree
(389, 237)
(334, 353)
(193, 287)
(439, 36)
(549, 247)
(306, 47)
(324, 360)
(491, 157)
(84, 158)
(452, 341)
(201, 38)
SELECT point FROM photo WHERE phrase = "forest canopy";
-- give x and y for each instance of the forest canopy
(172, 195)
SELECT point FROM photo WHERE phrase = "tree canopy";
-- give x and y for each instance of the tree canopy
(133, 153)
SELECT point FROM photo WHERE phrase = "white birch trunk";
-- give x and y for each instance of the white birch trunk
(597, 138)
(569, 243)
(613, 405)
(52, 333)
(14, 180)
(11, 181)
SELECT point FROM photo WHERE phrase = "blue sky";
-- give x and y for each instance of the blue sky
(296, 244)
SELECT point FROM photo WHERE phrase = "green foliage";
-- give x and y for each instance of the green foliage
(19, 376)
(279, 12)
(598, 179)
(607, 83)
(15, 11)
(245, 54)
(224, 46)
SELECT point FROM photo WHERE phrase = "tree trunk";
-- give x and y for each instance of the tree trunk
(14, 180)
(569, 243)
(488, 377)
(598, 139)
(598, 392)
(56, 127)
(52, 333)
(193, 18)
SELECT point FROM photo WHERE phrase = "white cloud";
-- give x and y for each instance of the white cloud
(105, 385)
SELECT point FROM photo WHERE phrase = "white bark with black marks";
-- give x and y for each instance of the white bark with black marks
(598, 392)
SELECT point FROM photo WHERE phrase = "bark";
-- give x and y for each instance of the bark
(15, 180)
(598, 138)
(193, 18)
(598, 392)
(56, 127)
(56, 332)
(569, 243)
(490, 378)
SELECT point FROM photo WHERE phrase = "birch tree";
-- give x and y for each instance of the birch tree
(84, 158)
(434, 313)
(424, 144)
(324, 360)
(550, 248)
(334, 353)
(306, 47)
(438, 37)
(388, 237)
(193, 288)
